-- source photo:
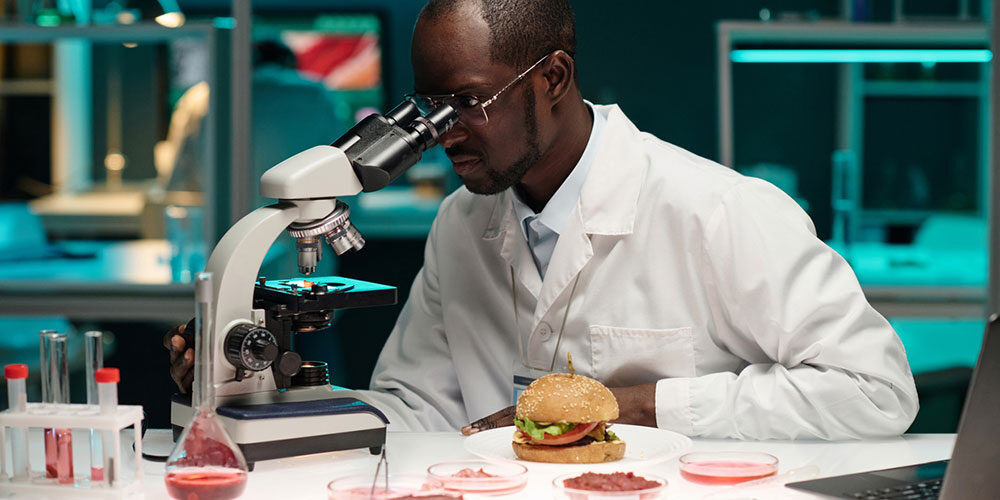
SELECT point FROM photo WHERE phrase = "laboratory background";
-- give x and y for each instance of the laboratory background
(133, 134)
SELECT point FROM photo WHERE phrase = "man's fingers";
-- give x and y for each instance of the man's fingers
(180, 369)
(170, 339)
(176, 348)
(177, 343)
(501, 418)
(181, 359)
(186, 382)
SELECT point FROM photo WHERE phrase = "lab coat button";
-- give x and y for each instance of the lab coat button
(544, 332)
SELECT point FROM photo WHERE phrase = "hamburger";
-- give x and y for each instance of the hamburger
(562, 418)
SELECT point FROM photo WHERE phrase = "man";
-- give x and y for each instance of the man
(703, 298)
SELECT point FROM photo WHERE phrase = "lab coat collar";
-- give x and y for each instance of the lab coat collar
(607, 206)
(610, 195)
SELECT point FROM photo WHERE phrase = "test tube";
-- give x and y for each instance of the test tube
(17, 402)
(94, 362)
(58, 442)
(203, 393)
(43, 351)
(107, 382)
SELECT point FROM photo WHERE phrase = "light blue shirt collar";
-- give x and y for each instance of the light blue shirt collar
(551, 221)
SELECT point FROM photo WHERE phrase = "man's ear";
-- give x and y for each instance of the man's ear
(559, 73)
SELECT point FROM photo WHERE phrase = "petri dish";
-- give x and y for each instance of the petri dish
(608, 486)
(400, 486)
(727, 467)
(480, 477)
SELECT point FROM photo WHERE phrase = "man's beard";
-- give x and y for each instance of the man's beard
(499, 180)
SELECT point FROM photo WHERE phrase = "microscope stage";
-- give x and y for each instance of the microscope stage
(323, 293)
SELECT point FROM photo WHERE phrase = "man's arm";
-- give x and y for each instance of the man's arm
(414, 381)
(821, 362)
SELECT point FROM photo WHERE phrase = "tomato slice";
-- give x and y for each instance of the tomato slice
(575, 434)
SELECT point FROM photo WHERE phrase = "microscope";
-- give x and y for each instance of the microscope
(272, 404)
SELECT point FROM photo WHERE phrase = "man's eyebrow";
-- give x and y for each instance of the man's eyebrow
(477, 89)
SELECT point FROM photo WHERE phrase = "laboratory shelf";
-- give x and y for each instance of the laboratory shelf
(117, 280)
(25, 87)
(963, 34)
(933, 90)
(138, 32)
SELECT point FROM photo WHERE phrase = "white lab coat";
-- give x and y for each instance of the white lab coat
(709, 283)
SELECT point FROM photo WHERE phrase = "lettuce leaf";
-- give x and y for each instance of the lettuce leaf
(539, 430)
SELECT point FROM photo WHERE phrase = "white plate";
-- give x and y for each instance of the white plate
(643, 446)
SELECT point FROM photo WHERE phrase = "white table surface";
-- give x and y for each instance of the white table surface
(306, 477)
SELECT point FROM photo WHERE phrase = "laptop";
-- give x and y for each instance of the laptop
(974, 469)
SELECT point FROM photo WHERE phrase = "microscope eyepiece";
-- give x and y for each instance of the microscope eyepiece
(381, 148)
(428, 129)
(402, 115)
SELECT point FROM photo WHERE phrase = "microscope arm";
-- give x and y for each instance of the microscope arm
(234, 263)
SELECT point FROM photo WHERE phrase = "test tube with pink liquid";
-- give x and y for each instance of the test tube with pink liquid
(58, 442)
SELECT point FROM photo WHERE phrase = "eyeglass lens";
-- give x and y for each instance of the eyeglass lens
(470, 115)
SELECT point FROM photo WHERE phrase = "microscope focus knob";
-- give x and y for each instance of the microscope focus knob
(289, 363)
(251, 347)
(262, 349)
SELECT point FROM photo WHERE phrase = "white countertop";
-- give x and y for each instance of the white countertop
(307, 477)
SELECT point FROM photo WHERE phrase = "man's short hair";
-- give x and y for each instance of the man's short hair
(521, 31)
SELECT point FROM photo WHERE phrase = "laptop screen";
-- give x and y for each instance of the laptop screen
(974, 461)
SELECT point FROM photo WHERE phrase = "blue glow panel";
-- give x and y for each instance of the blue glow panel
(861, 56)
(224, 23)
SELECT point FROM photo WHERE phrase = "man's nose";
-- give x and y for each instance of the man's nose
(457, 134)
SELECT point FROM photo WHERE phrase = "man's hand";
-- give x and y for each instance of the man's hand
(501, 418)
(636, 404)
(181, 358)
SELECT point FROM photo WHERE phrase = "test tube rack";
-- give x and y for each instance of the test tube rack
(76, 417)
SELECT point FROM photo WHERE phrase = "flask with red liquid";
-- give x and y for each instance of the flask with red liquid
(205, 464)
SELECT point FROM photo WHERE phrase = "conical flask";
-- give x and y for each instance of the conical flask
(205, 464)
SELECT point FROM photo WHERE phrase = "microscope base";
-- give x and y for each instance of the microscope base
(279, 430)
(373, 439)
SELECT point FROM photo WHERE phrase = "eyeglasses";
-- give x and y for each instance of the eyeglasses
(471, 109)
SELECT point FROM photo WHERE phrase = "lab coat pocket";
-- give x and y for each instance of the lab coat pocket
(629, 356)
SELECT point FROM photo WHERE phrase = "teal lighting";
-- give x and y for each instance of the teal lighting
(224, 23)
(49, 18)
(924, 56)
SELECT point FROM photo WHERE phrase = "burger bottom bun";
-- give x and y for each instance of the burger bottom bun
(593, 453)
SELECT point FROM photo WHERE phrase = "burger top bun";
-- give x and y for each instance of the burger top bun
(561, 397)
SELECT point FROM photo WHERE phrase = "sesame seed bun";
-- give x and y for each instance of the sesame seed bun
(561, 397)
(593, 453)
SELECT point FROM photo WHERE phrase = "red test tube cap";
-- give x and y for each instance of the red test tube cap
(107, 375)
(15, 371)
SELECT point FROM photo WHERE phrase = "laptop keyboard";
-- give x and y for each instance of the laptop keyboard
(924, 490)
